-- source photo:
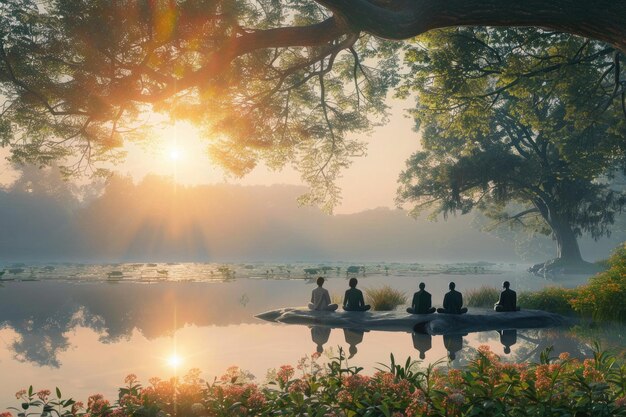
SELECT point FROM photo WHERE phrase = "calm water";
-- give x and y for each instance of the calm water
(84, 327)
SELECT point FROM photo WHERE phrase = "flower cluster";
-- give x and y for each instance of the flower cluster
(487, 386)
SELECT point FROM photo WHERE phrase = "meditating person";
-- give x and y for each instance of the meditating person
(452, 302)
(422, 302)
(320, 299)
(508, 299)
(353, 300)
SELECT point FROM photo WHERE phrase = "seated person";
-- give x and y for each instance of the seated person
(353, 300)
(508, 299)
(320, 299)
(452, 302)
(422, 302)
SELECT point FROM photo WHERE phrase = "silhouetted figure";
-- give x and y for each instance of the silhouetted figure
(453, 344)
(422, 302)
(423, 342)
(452, 302)
(320, 335)
(508, 299)
(320, 299)
(508, 338)
(353, 337)
(353, 300)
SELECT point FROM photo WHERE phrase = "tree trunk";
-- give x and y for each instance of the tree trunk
(603, 20)
(567, 249)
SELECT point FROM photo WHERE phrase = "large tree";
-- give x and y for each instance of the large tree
(267, 79)
(495, 137)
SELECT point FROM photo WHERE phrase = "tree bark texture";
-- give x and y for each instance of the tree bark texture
(604, 20)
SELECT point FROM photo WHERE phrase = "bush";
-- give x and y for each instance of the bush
(486, 387)
(604, 297)
(384, 298)
(482, 297)
(554, 299)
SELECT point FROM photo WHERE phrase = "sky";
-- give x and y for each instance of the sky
(370, 182)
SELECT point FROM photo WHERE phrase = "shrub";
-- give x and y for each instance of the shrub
(486, 387)
(384, 298)
(604, 297)
(554, 299)
(484, 296)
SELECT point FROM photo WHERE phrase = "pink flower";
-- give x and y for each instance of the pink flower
(344, 396)
(284, 374)
(21, 394)
(130, 379)
(620, 402)
(43, 395)
(256, 400)
(6, 414)
(564, 356)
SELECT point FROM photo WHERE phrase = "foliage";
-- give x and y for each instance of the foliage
(603, 297)
(516, 123)
(487, 386)
(74, 94)
(484, 296)
(554, 299)
(384, 298)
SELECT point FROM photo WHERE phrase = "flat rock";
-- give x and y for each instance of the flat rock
(477, 320)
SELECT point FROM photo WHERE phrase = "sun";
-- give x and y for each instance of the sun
(174, 360)
(174, 153)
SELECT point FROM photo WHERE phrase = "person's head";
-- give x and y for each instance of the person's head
(320, 281)
(422, 285)
(452, 285)
(352, 283)
(506, 284)
(507, 350)
(422, 355)
(319, 349)
(452, 355)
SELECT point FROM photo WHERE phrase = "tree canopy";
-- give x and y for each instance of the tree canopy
(271, 80)
(497, 135)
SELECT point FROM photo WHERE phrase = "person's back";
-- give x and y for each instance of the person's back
(320, 298)
(453, 302)
(422, 302)
(353, 299)
(508, 299)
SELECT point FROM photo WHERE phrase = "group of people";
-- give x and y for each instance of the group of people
(421, 304)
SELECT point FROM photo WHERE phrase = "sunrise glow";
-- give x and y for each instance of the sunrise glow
(174, 360)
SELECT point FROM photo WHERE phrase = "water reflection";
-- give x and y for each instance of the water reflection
(423, 343)
(353, 337)
(508, 338)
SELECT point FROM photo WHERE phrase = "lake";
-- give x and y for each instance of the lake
(84, 327)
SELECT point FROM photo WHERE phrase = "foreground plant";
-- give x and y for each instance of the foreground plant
(556, 386)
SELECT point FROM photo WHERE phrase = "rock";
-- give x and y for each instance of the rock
(476, 320)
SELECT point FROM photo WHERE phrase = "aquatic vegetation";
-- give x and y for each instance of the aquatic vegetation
(484, 296)
(384, 298)
(555, 386)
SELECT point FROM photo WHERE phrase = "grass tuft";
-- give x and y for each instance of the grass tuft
(384, 298)
(484, 296)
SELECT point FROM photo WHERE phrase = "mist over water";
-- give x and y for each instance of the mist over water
(42, 219)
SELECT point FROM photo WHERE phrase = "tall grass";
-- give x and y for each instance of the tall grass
(484, 296)
(384, 298)
(554, 299)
